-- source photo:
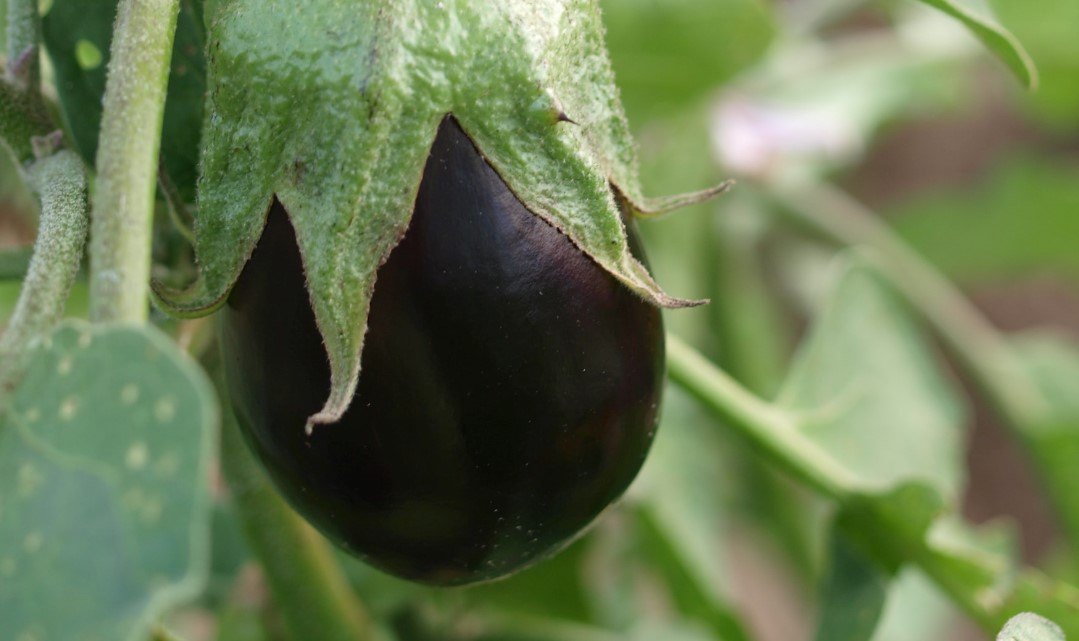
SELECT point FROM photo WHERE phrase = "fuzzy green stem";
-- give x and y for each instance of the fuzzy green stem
(61, 183)
(23, 38)
(983, 353)
(312, 595)
(776, 433)
(127, 159)
(768, 427)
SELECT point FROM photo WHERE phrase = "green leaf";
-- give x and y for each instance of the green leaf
(995, 37)
(1050, 29)
(678, 500)
(14, 263)
(1019, 220)
(902, 526)
(853, 598)
(868, 389)
(1030, 627)
(78, 35)
(669, 54)
(552, 589)
(104, 497)
(331, 108)
(1053, 364)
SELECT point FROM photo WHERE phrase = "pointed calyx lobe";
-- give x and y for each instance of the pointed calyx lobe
(508, 390)
(337, 129)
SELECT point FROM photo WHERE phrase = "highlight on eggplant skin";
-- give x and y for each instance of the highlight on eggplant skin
(508, 392)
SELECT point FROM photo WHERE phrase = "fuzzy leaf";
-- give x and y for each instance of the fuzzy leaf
(866, 388)
(332, 107)
(870, 392)
(104, 497)
(853, 597)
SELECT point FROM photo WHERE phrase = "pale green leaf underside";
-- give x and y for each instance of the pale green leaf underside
(866, 388)
(995, 37)
(104, 499)
(332, 107)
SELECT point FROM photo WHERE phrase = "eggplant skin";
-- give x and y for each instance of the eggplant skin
(508, 391)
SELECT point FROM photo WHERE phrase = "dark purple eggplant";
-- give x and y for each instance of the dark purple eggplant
(508, 391)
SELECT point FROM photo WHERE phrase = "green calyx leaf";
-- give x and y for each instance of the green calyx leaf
(332, 108)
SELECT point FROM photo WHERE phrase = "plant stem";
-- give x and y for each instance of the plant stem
(61, 183)
(127, 159)
(983, 353)
(312, 595)
(23, 36)
(776, 433)
(767, 426)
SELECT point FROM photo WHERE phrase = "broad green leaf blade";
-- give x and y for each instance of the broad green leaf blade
(1030, 627)
(78, 35)
(678, 501)
(1019, 220)
(853, 598)
(995, 37)
(1053, 364)
(670, 55)
(1050, 30)
(552, 589)
(867, 388)
(104, 497)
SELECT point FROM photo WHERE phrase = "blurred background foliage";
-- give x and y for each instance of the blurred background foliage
(886, 103)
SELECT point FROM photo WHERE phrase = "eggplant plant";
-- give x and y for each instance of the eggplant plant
(366, 346)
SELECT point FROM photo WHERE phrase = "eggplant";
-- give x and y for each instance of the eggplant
(508, 391)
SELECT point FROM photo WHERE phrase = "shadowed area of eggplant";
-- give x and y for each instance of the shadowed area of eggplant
(508, 391)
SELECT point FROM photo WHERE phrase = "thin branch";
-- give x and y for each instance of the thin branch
(766, 425)
(23, 41)
(127, 159)
(61, 183)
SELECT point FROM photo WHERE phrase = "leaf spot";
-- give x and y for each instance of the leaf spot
(136, 456)
(165, 409)
(63, 368)
(167, 465)
(151, 510)
(85, 338)
(8, 566)
(31, 415)
(129, 394)
(68, 408)
(32, 543)
(133, 499)
(29, 479)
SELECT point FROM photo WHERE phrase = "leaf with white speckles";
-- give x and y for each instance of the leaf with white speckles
(104, 501)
